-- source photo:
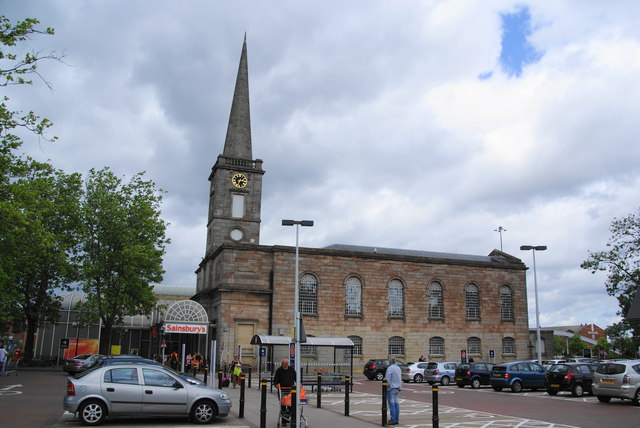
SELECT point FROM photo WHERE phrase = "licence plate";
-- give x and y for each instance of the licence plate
(555, 385)
(607, 381)
(497, 375)
(458, 378)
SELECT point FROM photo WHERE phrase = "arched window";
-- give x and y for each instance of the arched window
(436, 346)
(436, 306)
(396, 298)
(353, 296)
(396, 345)
(357, 344)
(308, 297)
(508, 346)
(474, 346)
(506, 303)
(472, 297)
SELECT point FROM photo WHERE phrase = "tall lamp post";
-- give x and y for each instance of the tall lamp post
(296, 317)
(535, 248)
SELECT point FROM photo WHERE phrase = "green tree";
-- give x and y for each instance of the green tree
(602, 348)
(559, 345)
(576, 345)
(122, 247)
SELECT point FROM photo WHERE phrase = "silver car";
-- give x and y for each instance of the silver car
(441, 372)
(413, 371)
(619, 379)
(141, 390)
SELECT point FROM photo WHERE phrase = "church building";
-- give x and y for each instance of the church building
(389, 302)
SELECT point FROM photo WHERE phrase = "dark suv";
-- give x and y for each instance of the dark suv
(375, 369)
(518, 375)
(474, 374)
(574, 377)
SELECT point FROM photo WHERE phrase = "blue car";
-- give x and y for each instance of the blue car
(518, 375)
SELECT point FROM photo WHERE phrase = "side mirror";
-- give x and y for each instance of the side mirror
(177, 385)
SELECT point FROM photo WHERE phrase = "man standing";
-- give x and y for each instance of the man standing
(284, 379)
(394, 381)
(3, 358)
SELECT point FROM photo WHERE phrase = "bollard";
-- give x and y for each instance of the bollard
(347, 381)
(294, 408)
(249, 377)
(206, 371)
(263, 405)
(241, 409)
(435, 419)
(384, 402)
(219, 379)
(319, 386)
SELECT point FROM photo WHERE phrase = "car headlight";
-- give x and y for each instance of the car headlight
(223, 396)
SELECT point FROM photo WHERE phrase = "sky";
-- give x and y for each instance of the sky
(423, 125)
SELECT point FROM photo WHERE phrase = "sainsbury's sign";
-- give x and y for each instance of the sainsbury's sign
(185, 328)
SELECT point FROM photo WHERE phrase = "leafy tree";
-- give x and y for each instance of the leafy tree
(621, 261)
(602, 348)
(122, 247)
(576, 345)
(558, 345)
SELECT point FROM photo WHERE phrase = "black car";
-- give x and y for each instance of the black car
(474, 374)
(376, 369)
(574, 377)
(81, 363)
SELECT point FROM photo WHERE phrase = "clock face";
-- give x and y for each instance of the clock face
(239, 180)
(236, 234)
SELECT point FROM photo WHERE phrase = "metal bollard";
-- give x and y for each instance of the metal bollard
(435, 419)
(249, 377)
(241, 410)
(206, 371)
(319, 386)
(294, 408)
(384, 402)
(347, 381)
(263, 405)
(219, 379)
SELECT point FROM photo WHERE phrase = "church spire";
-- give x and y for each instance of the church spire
(238, 141)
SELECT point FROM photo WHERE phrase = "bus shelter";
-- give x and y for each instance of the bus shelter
(330, 356)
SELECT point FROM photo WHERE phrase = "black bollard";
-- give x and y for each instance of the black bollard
(347, 381)
(435, 419)
(263, 405)
(294, 408)
(219, 379)
(241, 409)
(319, 386)
(384, 402)
(206, 371)
(249, 377)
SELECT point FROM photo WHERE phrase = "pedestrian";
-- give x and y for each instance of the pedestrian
(173, 360)
(394, 381)
(187, 362)
(422, 359)
(236, 371)
(284, 379)
(3, 358)
(195, 363)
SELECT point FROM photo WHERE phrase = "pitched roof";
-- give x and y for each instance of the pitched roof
(410, 253)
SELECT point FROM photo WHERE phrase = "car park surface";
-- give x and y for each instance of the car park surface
(517, 375)
(443, 372)
(617, 379)
(474, 374)
(574, 377)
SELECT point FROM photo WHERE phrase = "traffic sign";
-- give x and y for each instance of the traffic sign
(492, 353)
(64, 343)
(263, 352)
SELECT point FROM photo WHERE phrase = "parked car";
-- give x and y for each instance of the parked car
(574, 377)
(80, 363)
(440, 372)
(548, 363)
(376, 368)
(413, 372)
(474, 374)
(517, 375)
(140, 390)
(619, 379)
(126, 359)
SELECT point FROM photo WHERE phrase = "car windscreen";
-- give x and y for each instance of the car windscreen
(611, 369)
(559, 368)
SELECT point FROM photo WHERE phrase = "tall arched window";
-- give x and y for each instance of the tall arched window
(353, 296)
(436, 346)
(506, 303)
(472, 297)
(435, 301)
(508, 346)
(357, 344)
(308, 297)
(396, 298)
(474, 346)
(396, 345)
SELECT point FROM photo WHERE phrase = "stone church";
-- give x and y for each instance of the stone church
(389, 302)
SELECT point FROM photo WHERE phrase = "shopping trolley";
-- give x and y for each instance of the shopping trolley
(285, 402)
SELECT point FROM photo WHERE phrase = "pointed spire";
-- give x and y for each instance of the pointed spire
(238, 141)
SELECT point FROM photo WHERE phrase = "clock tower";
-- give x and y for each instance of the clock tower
(235, 193)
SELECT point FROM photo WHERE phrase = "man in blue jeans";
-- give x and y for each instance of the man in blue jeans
(394, 382)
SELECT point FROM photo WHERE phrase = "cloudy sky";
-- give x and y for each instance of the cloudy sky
(420, 125)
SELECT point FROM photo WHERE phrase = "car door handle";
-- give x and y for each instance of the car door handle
(148, 391)
(110, 389)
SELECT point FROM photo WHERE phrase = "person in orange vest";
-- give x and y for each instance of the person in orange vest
(173, 360)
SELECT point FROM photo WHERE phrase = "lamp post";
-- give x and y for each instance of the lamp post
(296, 316)
(535, 248)
(500, 229)
(76, 324)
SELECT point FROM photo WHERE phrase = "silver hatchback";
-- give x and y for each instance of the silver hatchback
(619, 379)
(141, 390)
(441, 372)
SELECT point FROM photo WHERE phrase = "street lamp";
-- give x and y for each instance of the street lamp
(76, 324)
(535, 248)
(296, 316)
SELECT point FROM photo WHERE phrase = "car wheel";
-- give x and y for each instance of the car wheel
(203, 412)
(92, 412)
(475, 384)
(552, 391)
(379, 376)
(516, 386)
(417, 378)
(577, 390)
(497, 388)
(636, 398)
(604, 398)
(445, 380)
(460, 385)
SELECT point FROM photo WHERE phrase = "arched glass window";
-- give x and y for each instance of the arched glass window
(474, 346)
(396, 345)
(436, 346)
(472, 297)
(509, 346)
(436, 306)
(308, 297)
(506, 303)
(357, 344)
(396, 298)
(353, 296)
